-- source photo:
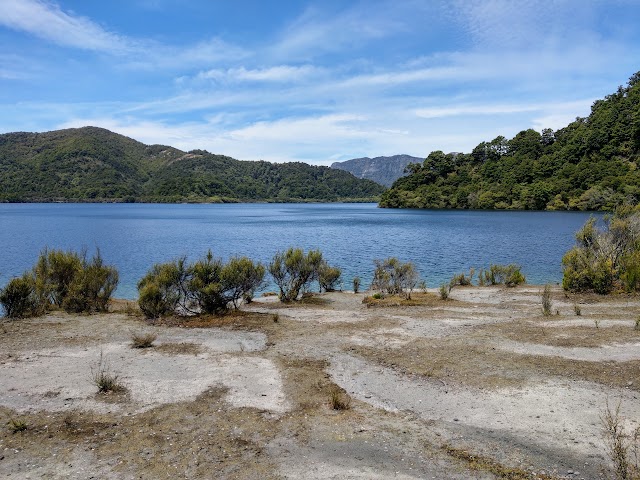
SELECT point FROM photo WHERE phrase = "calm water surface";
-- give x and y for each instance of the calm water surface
(351, 236)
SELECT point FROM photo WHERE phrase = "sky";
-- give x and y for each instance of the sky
(316, 81)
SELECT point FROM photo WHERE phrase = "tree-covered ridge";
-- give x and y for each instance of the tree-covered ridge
(94, 164)
(592, 164)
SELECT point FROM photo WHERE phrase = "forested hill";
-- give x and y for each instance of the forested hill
(592, 164)
(94, 164)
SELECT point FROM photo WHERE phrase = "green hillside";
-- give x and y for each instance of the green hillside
(592, 164)
(94, 164)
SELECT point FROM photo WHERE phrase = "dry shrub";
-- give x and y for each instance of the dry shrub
(143, 339)
(339, 400)
(623, 447)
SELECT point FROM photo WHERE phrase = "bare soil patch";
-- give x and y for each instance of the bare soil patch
(479, 386)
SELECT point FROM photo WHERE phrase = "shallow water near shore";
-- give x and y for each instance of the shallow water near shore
(441, 243)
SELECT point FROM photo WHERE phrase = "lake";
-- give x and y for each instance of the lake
(441, 243)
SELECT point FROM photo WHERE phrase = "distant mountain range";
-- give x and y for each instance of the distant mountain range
(94, 164)
(382, 170)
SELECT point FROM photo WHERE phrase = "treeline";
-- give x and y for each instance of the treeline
(592, 164)
(94, 164)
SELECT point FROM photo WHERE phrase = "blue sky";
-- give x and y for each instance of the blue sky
(312, 81)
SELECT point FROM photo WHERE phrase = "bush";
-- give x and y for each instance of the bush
(163, 289)
(608, 259)
(462, 280)
(444, 290)
(20, 299)
(328, 277)
(55, 271)
(394, 277)
(356, 284)
(293, 271)
(207, 286)
(91, 287)
(547, 302)
(508, 275)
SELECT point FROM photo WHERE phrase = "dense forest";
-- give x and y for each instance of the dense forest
(592, 164)
(94, 164)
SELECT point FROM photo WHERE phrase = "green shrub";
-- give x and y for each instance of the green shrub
(242, 278)
(92, 287)
(605, 259)
(394, 277)
(328, 277)
(356, 284)
(462, 280)
(293, 271)
(207, 286)
(163, 288)
(547, 302)
(20, 299)
(508, 275)
(55, 271)
(444, 290)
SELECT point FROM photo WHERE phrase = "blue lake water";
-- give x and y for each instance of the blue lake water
(351, 236)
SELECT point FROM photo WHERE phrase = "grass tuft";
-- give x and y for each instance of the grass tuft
(106, 381)
(143, 340)
(547, 302)
(339, 400)
(17, 425)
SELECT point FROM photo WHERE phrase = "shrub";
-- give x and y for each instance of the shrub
(547, 302)
(356, 284)
(55, 271)
(143, 340)
(623, 447)
(106, 381)
(17, 425)
(328, 277)
(605, 259)
(92, 287)
(508, 275)
(293, 271)
(20, 299)
(445, 289)
(206, 286)
(394, 277)
(242, 278)
(462, 280)
(163, 288)
(339, 400)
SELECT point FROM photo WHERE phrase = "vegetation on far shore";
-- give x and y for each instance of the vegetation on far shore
(592, 164)
(95, 165)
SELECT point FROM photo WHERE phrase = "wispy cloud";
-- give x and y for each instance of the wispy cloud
(277, 73)
(48, 21)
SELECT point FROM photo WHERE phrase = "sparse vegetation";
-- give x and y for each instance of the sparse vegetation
(576, 309)
(444, 291)
(17, 425)
(104, 379)
(394, 277)
(547, 301)
(356, 284)
(143, 339)
(623, 447)
(462, 280)
(338, 399)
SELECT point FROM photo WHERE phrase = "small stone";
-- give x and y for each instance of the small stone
(569, 472)
(455, 419)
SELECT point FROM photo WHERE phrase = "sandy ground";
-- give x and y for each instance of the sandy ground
(479, 386)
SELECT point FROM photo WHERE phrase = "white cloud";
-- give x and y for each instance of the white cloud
(277, 73)
(552, 109)
(46, 20)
